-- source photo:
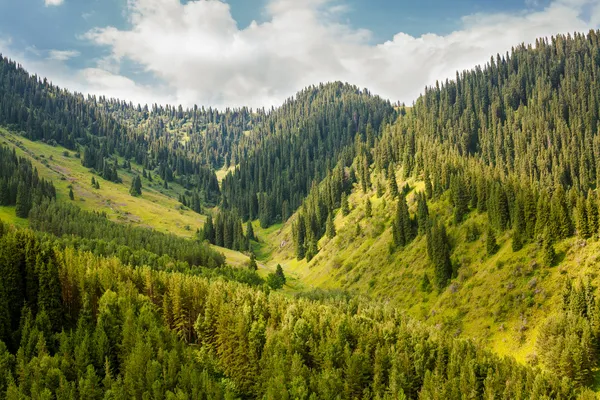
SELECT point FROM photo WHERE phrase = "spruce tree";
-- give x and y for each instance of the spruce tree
(422, 213)
(592, 212)
(583, 228)
(368, 208)
(23, 204)
(136, 186)
(438, 250)
(252, 265)
(345, 205)
(460, 198)
(71, 194)
(250, 231)
(548, 252)
(209, 230)
(393, 185)
(490, 243)
(330, 227)
(300, 238)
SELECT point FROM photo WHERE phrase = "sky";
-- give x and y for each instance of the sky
(258, 53)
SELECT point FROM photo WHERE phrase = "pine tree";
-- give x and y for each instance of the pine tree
(393, 185)
(422, 213)
(23, 204)
(71, 194)
(136, 186)
(368, 208)
(250, 231)
(548, 252)
(592, 212)
(330, 227)
(583, 229)
(300, 237)
(438, 250)
(209, 230)
(460, 198)
(490, 243)
(428, 187)
(345, 205)
(252, 265)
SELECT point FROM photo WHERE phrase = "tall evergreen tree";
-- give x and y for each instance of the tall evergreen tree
(136, 186)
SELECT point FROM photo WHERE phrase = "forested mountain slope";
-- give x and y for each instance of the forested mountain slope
(475, 211)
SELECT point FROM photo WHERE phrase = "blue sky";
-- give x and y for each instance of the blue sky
(206, 52)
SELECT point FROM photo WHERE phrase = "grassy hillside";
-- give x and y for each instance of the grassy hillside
(500, 300)
(157, 208)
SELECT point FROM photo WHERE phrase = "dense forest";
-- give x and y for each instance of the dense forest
(92, 308)
(76, 325)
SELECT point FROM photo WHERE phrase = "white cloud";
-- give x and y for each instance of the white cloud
(199, 55)
(53, 2)
(62, 55)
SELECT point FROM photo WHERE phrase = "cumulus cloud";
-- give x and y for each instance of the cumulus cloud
(198, 55)
(62, 55)
(53, 2)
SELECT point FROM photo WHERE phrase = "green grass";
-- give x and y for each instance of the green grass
(7, 214)
(500, 301)
(157, 208)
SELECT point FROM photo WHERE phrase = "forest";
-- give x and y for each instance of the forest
(508, 152)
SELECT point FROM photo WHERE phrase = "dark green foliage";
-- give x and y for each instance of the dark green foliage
(252, 265)
(20, 185)
(136, 186)
(250, 231)
(548, 252)
(299, 148)
(118, 239)
(226, 231)
(491, 245)
(276, 279)
(330, 227)
(345, 205)
(460, 199)
(402, 225)
(392, 184)
(583, 226)
(138, 333)
(425, 284)
(472, 232)
(71, 194)
(368, 208)
(438, 250)
(568, 342)
(422, 213)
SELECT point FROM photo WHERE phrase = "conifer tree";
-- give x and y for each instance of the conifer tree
(23, 204)
(209, 230)
(490, 243)
(592, 212)
(438, 250)
(460, 198)
(393, 185)
(548, 252)
(71, 194)
(300, 237)
(252, 265)
(368, 208)
(330, 227)
(250, 231)
(422, 213)
(583, 228)
(136, 186)
(345, 205)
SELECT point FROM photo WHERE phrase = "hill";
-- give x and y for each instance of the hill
(475, 212)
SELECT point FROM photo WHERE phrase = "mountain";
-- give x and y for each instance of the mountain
(372, 251)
